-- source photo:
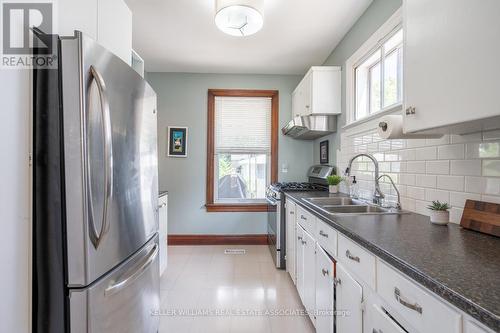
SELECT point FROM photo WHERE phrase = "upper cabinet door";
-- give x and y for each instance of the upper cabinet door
(319, 92)
(451, 68)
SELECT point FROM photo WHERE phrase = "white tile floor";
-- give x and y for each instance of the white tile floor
(203, 278)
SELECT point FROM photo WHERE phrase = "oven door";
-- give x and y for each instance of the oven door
(274, 230)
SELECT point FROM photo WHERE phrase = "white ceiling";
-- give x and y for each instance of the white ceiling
(181, 36)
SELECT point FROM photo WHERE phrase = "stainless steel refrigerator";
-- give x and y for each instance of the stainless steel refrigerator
(95, 198)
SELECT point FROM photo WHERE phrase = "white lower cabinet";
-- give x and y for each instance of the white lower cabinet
(381, 322)
(306, 264)
(299, 260)
(325, 270)
(349, 300)
(290, 210)
(309, 294)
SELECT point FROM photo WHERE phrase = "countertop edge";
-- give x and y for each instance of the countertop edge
(479, 313)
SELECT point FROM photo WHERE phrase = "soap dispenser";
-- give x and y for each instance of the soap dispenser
(353, 189)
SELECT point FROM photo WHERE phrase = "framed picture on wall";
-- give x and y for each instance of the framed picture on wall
(323, 152)
(177, 141)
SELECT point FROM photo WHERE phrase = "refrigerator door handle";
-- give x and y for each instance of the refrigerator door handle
(128, 278)
(96, 237)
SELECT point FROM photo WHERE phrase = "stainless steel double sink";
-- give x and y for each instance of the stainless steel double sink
(349, 206)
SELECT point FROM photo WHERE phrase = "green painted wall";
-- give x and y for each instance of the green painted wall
(182, 101)
(374, 16)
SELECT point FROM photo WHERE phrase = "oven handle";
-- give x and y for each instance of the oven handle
(271, 201)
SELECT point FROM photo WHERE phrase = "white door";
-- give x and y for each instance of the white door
(290, 239)
(349, 297)
(162, 219)
(324, 291)
(299, 247)
(451, 69)
(309, 294)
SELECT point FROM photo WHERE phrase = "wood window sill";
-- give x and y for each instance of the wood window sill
(212, 208)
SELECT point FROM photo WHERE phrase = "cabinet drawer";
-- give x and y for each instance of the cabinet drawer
(419, 308)
(382, 323)
(326, 237)
(306, 220)
(357, 260)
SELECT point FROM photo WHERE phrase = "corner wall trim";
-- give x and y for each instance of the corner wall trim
(217, 239)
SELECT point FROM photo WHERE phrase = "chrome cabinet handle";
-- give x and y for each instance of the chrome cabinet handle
(324, 271)
(350, 256)
(337, 281)
(303, 217)
(321, 233)
(377, 331)
(399, 298)
(304, 242)
(292, 213)
(95, 236)
(299, 237)
(162, 205)
(129, 278)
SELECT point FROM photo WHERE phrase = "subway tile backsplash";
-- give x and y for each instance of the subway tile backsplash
(452, 168)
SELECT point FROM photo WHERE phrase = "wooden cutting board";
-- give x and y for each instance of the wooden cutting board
(482, 216)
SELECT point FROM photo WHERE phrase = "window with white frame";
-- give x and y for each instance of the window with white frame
(378, 76)
(242, 148)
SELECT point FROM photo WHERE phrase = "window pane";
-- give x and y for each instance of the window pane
(241, 176)
(394, 41)
(362, 85)
(375, 88)
(392, 81)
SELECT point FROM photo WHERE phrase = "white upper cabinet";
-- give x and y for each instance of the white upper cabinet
(109, 22)
(451, 68)
(319, 92)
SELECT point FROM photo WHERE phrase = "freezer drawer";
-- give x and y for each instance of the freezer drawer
(123, 300)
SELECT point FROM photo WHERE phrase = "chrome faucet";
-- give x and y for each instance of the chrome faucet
(398, 205)
(377, 195)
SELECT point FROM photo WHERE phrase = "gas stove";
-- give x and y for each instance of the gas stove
(296, 186)
(276, 207)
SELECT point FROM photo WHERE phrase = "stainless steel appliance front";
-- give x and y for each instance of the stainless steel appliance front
(124, 300)
(275, 235)
(110, 159)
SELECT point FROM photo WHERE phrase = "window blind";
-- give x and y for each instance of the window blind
(242, 124)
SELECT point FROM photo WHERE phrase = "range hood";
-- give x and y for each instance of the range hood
(310, 127)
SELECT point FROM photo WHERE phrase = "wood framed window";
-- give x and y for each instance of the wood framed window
(242, 149)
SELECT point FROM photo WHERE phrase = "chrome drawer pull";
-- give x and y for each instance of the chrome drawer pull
(321, 233)
(292, 213)
(299, 237)
(304, 242)
(324, 271)
(399, 298)
(303, 217)
(337, 281)
(377, 331)
(350, 256)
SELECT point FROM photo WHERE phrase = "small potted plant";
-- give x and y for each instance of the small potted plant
(439, 212)
(333, 182)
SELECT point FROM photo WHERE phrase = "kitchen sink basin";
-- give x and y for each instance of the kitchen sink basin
(358, 209)
(333, 201)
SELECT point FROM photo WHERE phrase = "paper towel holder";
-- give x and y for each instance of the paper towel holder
(383, 125)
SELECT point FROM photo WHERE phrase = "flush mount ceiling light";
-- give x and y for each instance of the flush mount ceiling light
(239, 17)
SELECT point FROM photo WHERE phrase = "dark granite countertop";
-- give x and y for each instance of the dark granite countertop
(460, 265)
